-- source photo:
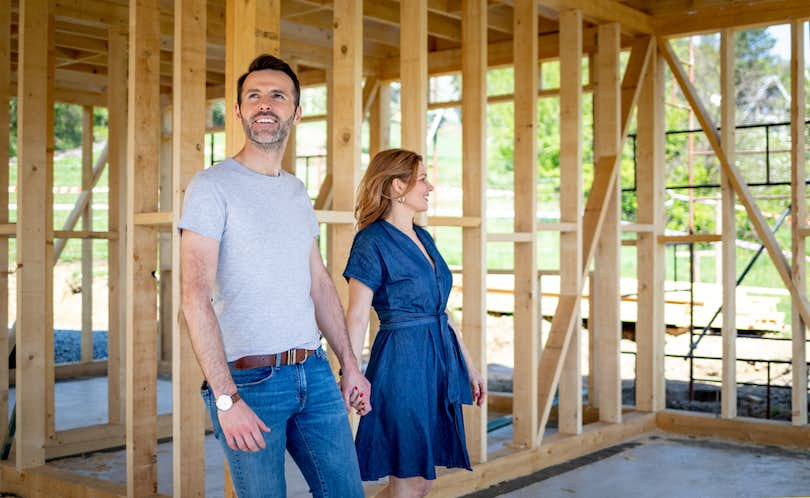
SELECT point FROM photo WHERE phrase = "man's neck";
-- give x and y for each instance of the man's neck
(261, 161)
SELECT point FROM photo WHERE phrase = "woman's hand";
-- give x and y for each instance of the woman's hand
(479, 387)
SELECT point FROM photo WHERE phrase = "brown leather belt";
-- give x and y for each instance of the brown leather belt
(289, 357)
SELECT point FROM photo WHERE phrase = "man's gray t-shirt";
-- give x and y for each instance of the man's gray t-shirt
(265, 226)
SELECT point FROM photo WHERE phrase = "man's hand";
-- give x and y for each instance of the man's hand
(242, 428)
(356, 390)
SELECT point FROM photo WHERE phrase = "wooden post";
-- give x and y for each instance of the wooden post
(525, 170)
(571, 202)
(116, 220)
(379, 120)
(728, 390)
(252, 27)
(5, 96)
(650, 327)
(798, 205)
(143, 149)
(188, 138)
(288, 161)
(32, 223)
(87, 244)
(413, 74)
(50, 372)
(165, 239)
(474, 251)
(606, 322)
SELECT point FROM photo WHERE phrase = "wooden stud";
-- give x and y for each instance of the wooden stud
(116, 222)
(252, 27)
(5, 95)
(87, 244)
(698, 237)
(728, 247)
(571, 202)
(165, 192)
(50, 405)
(606, 323)
(798, 205)
(761, 226)
(745, 430)
(723, 15)
(379, 120)
(290, 154)
(32, 223)
(525, 169)
(650, 325)
(143, 149)
(414, 75)
(474, 250)
(188, 137)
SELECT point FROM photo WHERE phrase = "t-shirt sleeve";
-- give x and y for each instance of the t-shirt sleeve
(365, 264)
(204, 209)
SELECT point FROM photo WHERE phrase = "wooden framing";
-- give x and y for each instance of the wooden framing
(798, 204)
(414, 75)
(143, 148)
(606, 325)
(86, 349)
(474, 250)
(524, 412)
(5, 95)
(571, 202)
(728, 396)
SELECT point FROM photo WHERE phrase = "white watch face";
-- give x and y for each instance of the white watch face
(224, 402)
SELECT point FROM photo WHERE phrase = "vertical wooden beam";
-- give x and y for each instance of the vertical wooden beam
(5, 95)
(606, 321)
(252, 27)
(473, 160)
(571, 202)
(32, 157)
(143, 149)
(87, 244)
(525, 169)
(798, 206)
(188, 137)
(379, 120)
(50, 372)
(116, 219)
(728, 390)
(347, 120)
(650, 328)
(413, 74)
(166, 191)
(288, 161)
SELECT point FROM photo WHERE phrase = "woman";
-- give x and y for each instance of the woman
(420, 371)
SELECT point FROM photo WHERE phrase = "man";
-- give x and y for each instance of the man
(256, 294)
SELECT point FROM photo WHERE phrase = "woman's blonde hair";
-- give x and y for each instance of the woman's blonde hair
(374, 194)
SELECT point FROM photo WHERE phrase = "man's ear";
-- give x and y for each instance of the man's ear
(236, 111)
(297, 114)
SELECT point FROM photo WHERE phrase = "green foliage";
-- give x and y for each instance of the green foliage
(67, 126)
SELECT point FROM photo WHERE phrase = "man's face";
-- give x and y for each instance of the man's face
(268, 108)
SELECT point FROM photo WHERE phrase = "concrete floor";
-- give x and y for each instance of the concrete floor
(661, 465)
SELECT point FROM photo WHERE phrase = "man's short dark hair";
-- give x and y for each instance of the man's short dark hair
(267, 61)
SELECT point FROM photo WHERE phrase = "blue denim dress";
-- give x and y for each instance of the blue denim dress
(418, 377)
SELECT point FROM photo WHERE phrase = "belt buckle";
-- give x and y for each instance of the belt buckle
(291, 358)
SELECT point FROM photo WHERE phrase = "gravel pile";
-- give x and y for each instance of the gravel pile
(67, 345)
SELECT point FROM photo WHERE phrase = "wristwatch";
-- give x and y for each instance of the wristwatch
(226, 401)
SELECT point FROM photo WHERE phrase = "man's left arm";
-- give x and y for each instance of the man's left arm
(332, 323)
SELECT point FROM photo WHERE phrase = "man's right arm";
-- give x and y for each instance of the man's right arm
(198, 269)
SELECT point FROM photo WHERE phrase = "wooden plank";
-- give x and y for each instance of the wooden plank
(335, 217)
(556, 227)
(290, 154)
(606, 325)
(524, 413)
(324, 199)
(151, 219)
(474, 250)
(87, 244)
(188, 151)
(571, 203)
(741, 429)
(650, 380)
(166, 281)
(252, 27)
(728, 246)
(761, 226)
(379, 120)
(32, 222)
(698, 237)
(413, 75)
(116, 221)
(454, 221)
(83, 440)
(607, 11)
(143, 149)
(637, 227)
(46, 481)
(593, 217)
(510, 237)
(798, 207)
(717, 16)
(50, 402)
(5, 122)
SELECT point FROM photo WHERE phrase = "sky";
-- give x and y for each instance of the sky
(782, 47)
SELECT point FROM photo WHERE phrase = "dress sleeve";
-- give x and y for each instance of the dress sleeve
(365, 263)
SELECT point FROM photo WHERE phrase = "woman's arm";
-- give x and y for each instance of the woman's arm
(357, 314)
(477, 382)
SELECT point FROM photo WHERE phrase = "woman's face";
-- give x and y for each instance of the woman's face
(417, 198)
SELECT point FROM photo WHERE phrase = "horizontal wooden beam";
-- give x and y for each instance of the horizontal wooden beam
(510, 237)
(718, 16)
(605, 11)
(98, 437)
(157, 218)
(334, 217)
(697, 237)
(637, 227)
(47, 481)
(557, 227)
(454, 221)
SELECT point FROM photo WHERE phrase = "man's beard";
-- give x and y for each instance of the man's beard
(276, 138)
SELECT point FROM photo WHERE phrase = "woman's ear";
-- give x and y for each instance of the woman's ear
(397, 187)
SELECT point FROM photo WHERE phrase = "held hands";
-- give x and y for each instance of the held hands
(242, 428)
(356, 390)
(479, 387)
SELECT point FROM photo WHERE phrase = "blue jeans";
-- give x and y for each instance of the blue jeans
(302, 406)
